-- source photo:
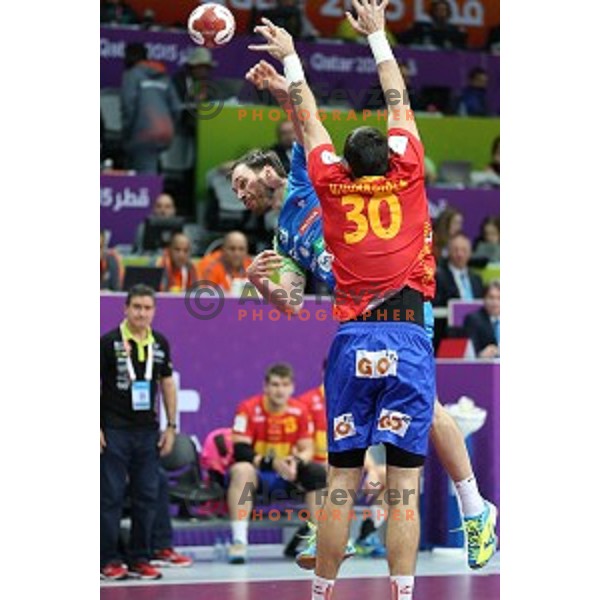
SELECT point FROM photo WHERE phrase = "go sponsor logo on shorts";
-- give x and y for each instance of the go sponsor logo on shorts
(394, 421)
(374, 365)
(343, 426)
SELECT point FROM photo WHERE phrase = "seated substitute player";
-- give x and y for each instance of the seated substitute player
(273, 448)
(300, 249)
(380, 383)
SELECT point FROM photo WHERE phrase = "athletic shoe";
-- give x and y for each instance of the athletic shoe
(237, 553)
(114, 571)
(144, 570)
(307, 558)
(298, 542)
(169, 558)
(371, 546)
(481, 536)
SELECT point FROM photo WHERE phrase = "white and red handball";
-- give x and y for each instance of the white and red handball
(211, 25)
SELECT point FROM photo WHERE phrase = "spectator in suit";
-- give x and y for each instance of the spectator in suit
(180, 272)
(286, 136)
(454, 279)
(111, 267)
(438, 31)
(483, 326)
(448, 224)
(473, 100)
(488, 243)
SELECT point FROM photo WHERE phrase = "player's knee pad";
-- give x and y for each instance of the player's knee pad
(350, 459)
(312, 476)
(396, 457)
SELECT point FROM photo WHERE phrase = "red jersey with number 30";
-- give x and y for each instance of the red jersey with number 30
(377, 228)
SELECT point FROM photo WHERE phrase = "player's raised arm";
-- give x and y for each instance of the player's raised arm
(264, 76)
(370, 21)
(280, 45)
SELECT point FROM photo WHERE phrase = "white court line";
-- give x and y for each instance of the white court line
(428, 565)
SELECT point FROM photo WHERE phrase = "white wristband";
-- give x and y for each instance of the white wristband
(292, 67)
(380, 47)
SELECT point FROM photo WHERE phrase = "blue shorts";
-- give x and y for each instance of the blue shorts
(380, 387)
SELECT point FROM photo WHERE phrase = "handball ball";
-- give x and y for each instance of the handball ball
(211, 25)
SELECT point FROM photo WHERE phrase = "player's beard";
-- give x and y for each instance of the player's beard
(265, 197)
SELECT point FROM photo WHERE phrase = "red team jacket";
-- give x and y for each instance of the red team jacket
(272, 433)
(314, 401)
(377, 228)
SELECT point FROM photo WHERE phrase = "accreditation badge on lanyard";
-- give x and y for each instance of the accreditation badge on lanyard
(140, 390)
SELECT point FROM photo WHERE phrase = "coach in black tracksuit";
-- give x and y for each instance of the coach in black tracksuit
(134, 362)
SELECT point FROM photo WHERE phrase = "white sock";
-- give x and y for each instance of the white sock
(471, 501)
(239, 532)
(322, 589)
(378, 516)
(402, 587)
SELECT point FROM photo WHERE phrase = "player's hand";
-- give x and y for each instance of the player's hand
(102, 441)
(280, 42)
(490, 351)
(264, 76)
(166, 441)
(264, 266)
(370, 16)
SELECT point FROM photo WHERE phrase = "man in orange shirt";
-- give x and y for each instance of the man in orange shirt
(273, 448)
(180, 272)
(227, 266)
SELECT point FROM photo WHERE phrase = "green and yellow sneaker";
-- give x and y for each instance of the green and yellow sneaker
(307, 558)
(481, 536)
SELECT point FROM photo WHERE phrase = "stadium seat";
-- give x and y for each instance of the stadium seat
(187, 488)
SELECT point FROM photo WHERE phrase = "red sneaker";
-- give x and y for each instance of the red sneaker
(144, 570)
(113, 572)
(169, 558)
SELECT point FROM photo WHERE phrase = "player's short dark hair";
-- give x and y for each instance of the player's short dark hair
(282, 370)
(138, 290)
(366, 152)
(258, 160)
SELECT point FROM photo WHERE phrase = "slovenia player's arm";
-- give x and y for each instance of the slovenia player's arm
(370, 21)
(280, 45)
(264, 76)
(288, 294)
